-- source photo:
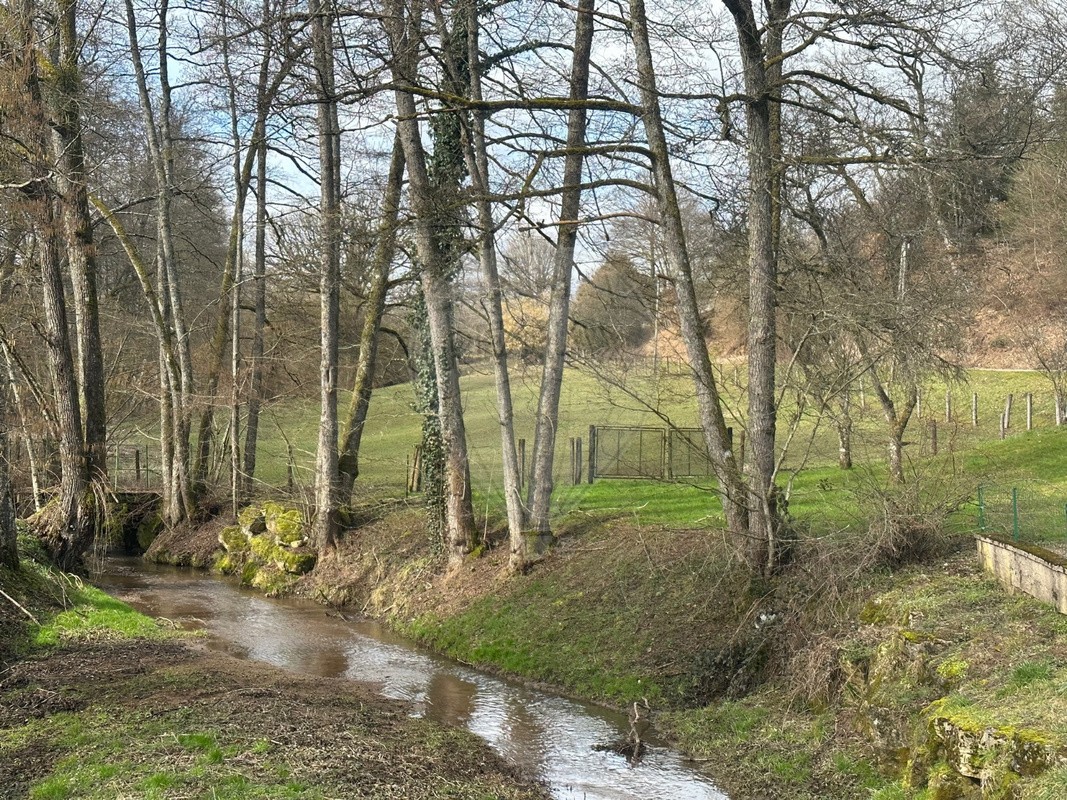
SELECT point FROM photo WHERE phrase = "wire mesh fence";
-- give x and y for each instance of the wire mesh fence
(1027, 511)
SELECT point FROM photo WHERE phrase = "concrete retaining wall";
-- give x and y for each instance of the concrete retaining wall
(1026, 568)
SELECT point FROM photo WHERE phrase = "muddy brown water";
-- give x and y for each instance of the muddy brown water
(546, 735)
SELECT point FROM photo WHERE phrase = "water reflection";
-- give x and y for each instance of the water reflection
(546, 735)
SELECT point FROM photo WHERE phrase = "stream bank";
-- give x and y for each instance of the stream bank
(100, 702)
(924, 681)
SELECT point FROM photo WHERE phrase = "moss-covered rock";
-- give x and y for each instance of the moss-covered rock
(272, 581)
(995, 757)
(251, 520)
(233, 538)
(286, 525)
(228, 563)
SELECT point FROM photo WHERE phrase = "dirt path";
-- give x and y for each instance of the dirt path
(169, 719)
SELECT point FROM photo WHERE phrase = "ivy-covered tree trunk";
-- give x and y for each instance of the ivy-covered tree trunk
(432, 453)
(434, 205)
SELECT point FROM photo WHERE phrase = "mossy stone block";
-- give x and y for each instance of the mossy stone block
(286, 525)
(233, 538)
(251, 520)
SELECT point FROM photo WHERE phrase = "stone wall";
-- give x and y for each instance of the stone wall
(1026, 568)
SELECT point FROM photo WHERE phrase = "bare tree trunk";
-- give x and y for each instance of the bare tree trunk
(844, 433)
(897, 421)
(81, 251)
(539, 492)
(758, 47)
(67, 533)
(31, 456)
(64, 528)
(709, 402)
(160, 147)
(374, 309)
(9, 555)
(324, 530)
(255, 379)
(266, 90)
(459, 514)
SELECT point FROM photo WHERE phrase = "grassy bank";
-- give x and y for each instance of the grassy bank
(98, 701)
(814, 687)
(855, 673)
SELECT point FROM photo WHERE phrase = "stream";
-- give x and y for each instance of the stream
(546, 735)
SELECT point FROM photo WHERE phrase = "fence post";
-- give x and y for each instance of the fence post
(933, 437)
(137, 465)
(118, 479)
(592, 453)
(570, 442)
(578, 461)
(1015, 513)
(863, 396)
(948, 406)
(918, 404)
(669, 445)
(290, 470)
(1029, 411)
(1059, 408)
(974, 409)
(1003, 427)
(981, 508)
(1007, 411)
(522, 463)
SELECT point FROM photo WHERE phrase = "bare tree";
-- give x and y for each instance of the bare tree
(324, 530)
(374, 310)
(539, 496)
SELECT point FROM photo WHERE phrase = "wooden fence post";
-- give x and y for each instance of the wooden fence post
(570, 442)
(974, 409)
(1007, 411)
(1029, 411)
(522, 463)
(578, 461)
(933, 437)
(592, 453)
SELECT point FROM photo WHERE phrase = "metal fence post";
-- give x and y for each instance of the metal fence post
(981, 508)
(1015, 513)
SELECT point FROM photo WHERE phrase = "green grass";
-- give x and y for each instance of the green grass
(819, 489)
(66, 608)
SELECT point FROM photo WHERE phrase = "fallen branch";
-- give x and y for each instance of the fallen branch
(20, 607)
